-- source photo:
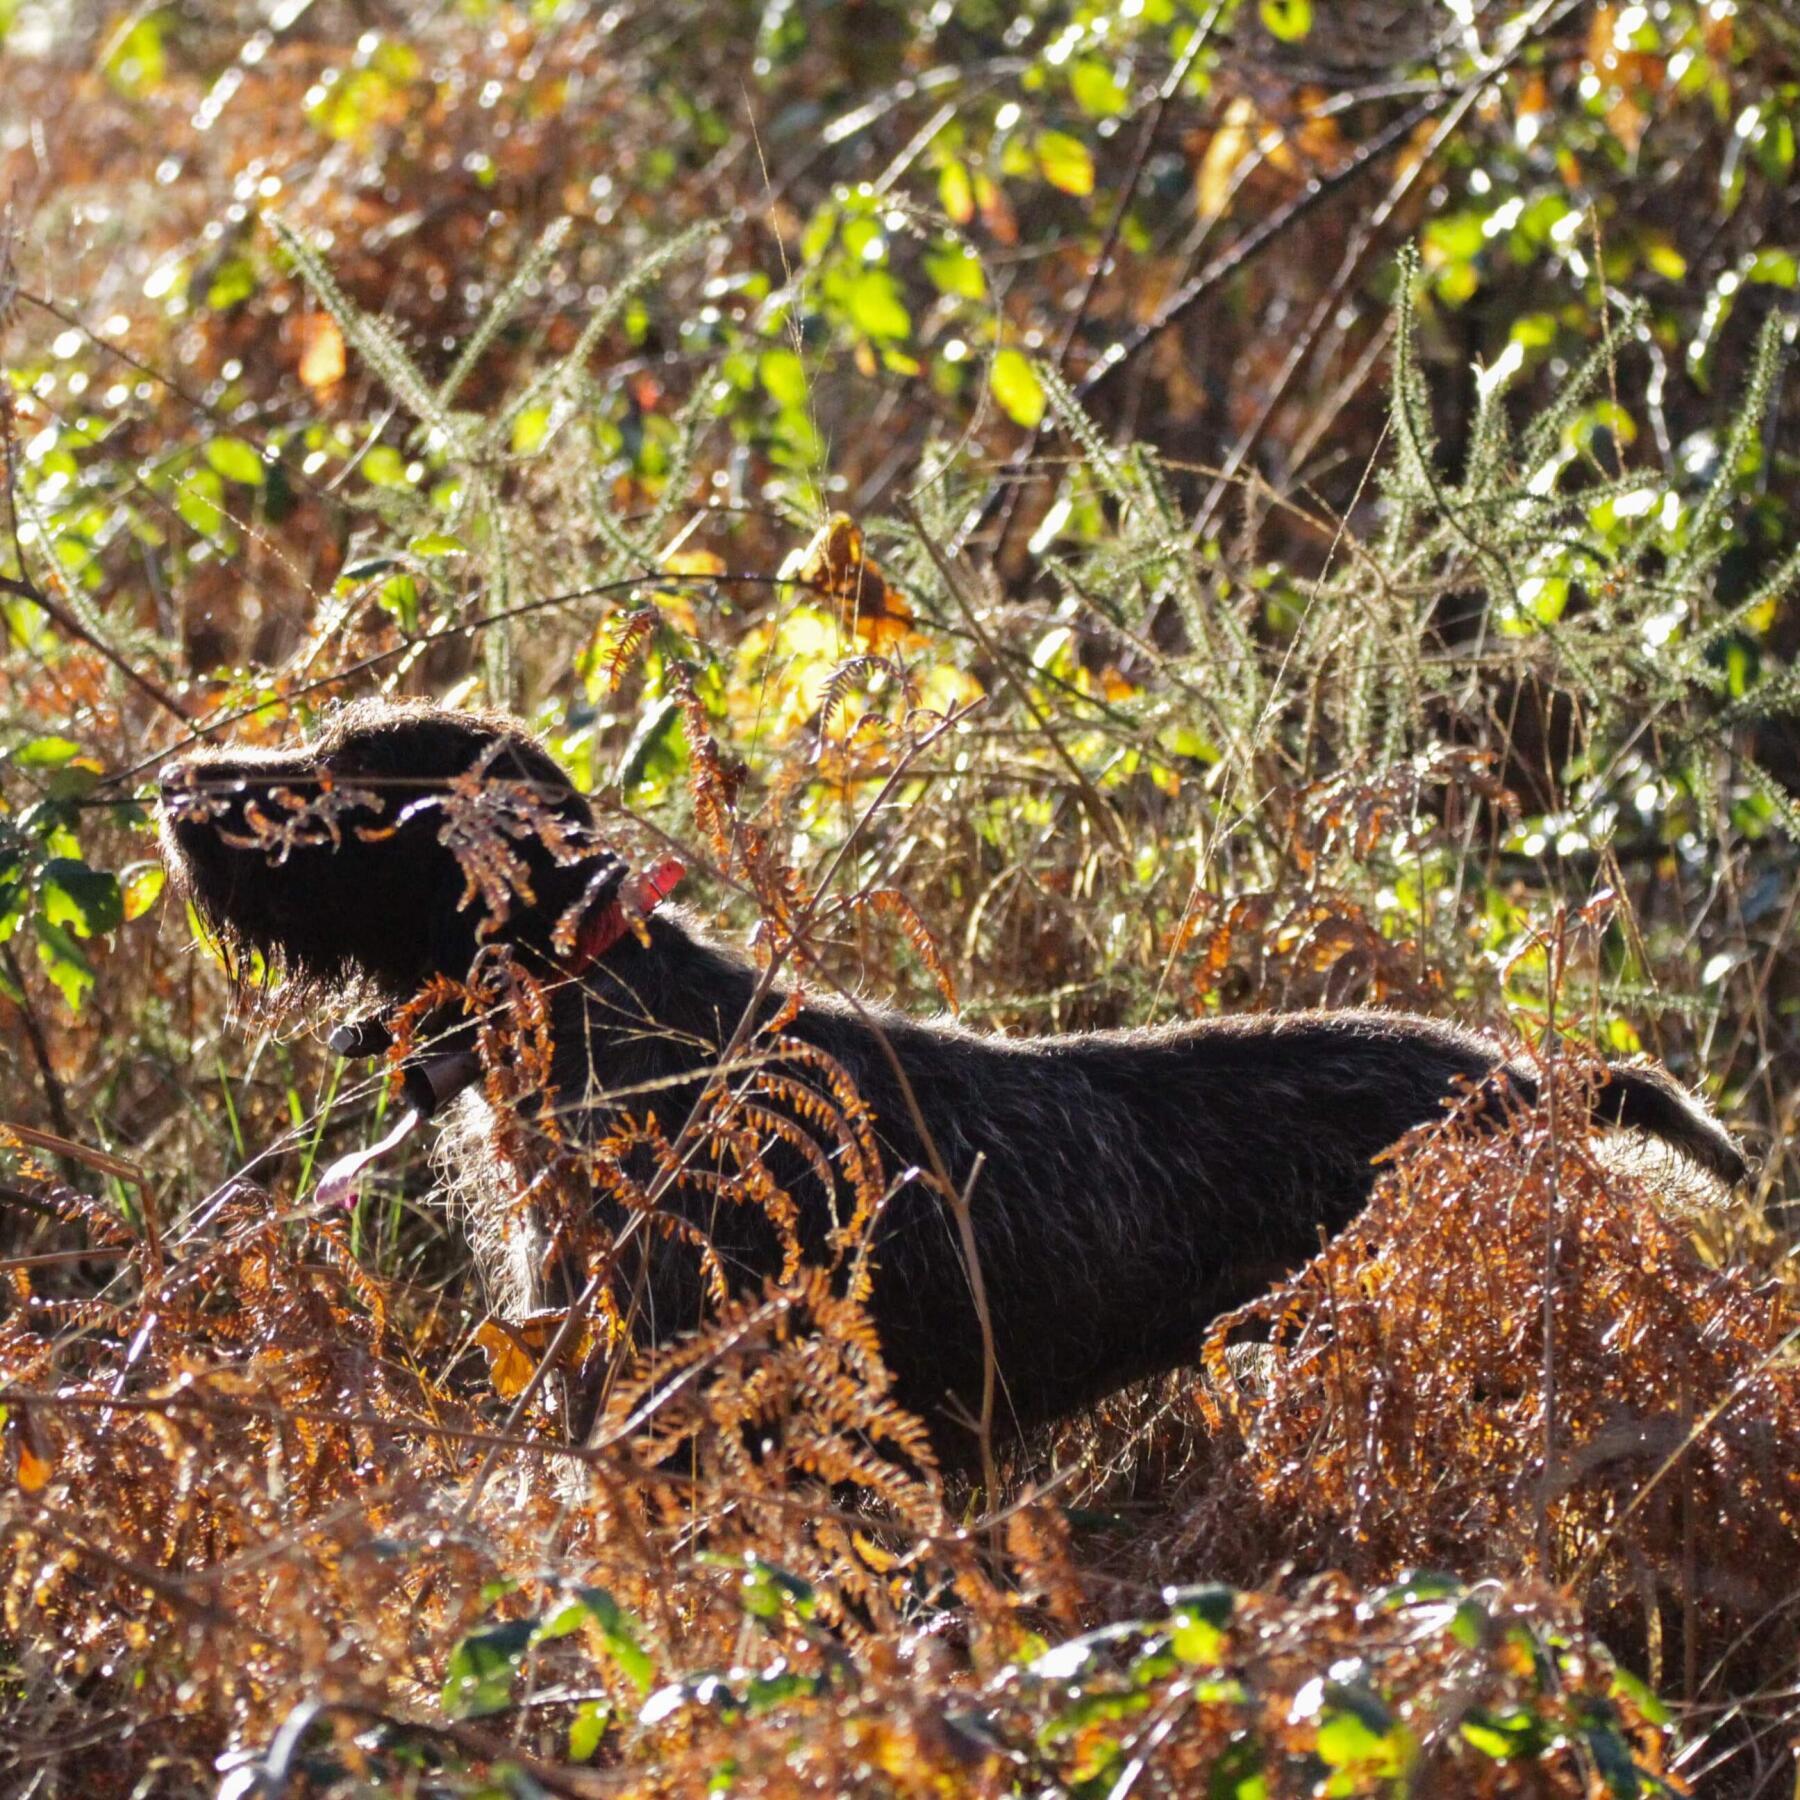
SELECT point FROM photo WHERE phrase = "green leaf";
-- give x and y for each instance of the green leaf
(1194, 1640)
(1289, 20)
(1409, 1590)
(1645, 1696)
(1358, 1732)
(384, 466)
(87, 900)
(587, 1728)
(1469, 1624)
(1454, 237)
(1345, 1740)
(438, 543)
(783, 376)
(1065, 162)
(1533, 331)
(13, 892)
(955, 269)
(236, 460)
(530, 429)
(46, 753)
(872, 299)
(198, 500)
(1017, 388)
(1096, 89)
(399, 595)
(617, 1629)
(1504, 1736)
(1662, 258)
(64, 962)
(1774, 268)
(479, 1679)
(768, 1589)
(234, 280)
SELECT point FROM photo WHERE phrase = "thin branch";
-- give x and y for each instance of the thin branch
(67, 622)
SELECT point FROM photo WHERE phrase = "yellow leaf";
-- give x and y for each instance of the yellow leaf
(694, 562)
(321, 353)
(946, 687)
(139, 886)
(1627, 121)
(1017, 388)
(1601, 43)
(956, 193)
(1230, 145)
(878, 1559)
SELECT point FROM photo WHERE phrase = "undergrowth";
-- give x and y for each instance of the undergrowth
(1497, 1496)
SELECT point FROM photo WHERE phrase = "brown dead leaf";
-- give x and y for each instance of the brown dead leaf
(836, 565)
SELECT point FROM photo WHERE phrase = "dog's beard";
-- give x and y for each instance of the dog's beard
(244, 901)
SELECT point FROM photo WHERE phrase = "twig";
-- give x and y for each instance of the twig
(1555, 951)
(1216, 273)
(67, 1145)
(1255, 241)
(965, 1231)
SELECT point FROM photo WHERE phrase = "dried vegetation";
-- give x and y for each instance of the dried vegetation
(1018, 568)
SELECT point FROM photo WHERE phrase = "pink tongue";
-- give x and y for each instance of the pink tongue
(338, 1186)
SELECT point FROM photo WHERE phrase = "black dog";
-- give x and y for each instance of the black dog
(1125, 1187)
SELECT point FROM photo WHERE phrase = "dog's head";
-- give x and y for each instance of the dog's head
(391, 847)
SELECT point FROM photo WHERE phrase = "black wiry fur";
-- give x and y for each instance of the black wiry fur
(1136, 1183)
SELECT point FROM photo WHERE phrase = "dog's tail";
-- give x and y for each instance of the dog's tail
(1638, 1097)
(1646, 1099)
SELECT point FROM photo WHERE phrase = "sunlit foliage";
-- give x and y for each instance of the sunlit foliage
(1092, 513)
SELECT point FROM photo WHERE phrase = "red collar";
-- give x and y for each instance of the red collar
(638, 896)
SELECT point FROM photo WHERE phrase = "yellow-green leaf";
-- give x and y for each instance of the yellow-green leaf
(236, 460)
(1289, 20)
(1066, 162)
(1017, 388)
(135, 60)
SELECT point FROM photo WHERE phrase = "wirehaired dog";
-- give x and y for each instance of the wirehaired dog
(1123, 1188)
